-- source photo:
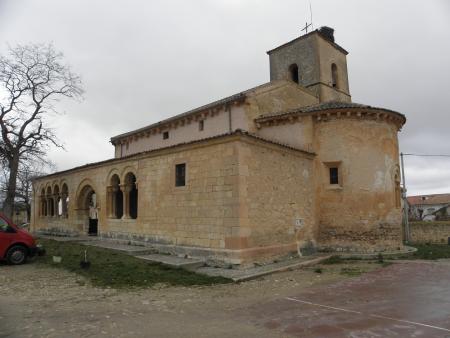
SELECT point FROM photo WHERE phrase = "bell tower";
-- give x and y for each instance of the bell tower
(315, 62)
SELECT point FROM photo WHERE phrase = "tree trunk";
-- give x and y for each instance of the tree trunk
(8, 207)
(28, 212)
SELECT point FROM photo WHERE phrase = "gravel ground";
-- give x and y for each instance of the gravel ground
(39, 301)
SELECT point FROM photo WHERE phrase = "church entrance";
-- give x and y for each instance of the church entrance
(88, 210)
(93, 227)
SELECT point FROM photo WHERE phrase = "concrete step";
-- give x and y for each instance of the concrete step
(245, 274)
(174, 261)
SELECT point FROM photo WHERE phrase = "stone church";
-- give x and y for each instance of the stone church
(288, 165)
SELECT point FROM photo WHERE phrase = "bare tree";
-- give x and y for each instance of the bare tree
(24, 188)
(32, 79)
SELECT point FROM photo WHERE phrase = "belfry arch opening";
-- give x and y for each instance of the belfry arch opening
(334, 76)
(88, 208)
(293, 73)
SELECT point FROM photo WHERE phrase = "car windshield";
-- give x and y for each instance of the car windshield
(3, 225)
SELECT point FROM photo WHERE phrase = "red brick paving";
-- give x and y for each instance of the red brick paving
(410, 299)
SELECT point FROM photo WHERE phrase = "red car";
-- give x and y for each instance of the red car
(16, 245)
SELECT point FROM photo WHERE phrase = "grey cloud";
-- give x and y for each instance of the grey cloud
(143, 61)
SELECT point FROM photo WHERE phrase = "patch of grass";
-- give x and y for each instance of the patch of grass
(431, 251)
(117, 270)
(351, 271)
(332, 260)
(380, 258)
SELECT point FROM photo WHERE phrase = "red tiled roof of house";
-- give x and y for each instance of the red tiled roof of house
(429, 199)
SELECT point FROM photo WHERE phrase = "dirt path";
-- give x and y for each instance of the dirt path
(37, 301)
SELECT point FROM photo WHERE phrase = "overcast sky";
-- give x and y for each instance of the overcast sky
(143, 61)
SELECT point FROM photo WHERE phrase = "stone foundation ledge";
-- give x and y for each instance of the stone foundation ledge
(212, 256)
(57, 232)
(402, 252)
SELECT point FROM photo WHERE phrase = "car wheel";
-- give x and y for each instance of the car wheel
(16, 255)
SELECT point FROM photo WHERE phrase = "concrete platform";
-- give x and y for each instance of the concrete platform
(174, 261)
(244, 274)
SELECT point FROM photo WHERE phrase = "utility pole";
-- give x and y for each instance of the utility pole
(405, 202)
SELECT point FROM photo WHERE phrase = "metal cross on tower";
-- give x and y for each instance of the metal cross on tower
(307, 25)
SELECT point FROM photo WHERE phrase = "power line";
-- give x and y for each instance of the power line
(427, 155)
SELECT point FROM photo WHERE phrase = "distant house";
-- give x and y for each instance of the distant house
(429, 207)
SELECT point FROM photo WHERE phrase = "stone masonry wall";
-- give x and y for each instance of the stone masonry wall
(359, 213)
(201, 214)
(240, 201)
(430, 232)
(275, 189)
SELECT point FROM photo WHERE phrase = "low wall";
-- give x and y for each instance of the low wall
(430, 232)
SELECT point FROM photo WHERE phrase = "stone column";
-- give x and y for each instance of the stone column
(64, 205)
(126, 188)
(56, 197)
(49, 206)
(110, 201)
(41, 206)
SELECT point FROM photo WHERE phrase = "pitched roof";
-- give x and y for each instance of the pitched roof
(429, 199)
(178, 145)
(323, 106)
(229, 99)
(334, 44)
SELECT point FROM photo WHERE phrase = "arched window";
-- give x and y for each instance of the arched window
(293, 73)
(131, 209)
(115, 198)
(334, 76)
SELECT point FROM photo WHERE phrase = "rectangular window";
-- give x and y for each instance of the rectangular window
(201, 125)
(334, 175)
(180, 175)
(165, 135)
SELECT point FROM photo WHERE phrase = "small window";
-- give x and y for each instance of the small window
(180, 175)
(165, 135)
(201, 125)
(334, 175)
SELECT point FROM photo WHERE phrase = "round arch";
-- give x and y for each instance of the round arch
(126, 171)
(111, 173)
(87, 203)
